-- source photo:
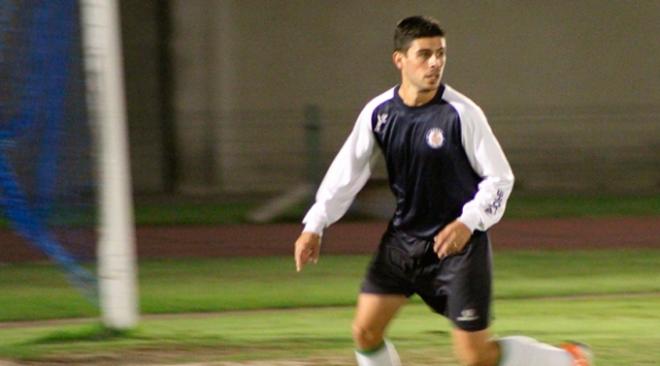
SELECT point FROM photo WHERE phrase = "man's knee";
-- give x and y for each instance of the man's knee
(475, 359)
(486, 354)
(366, 338)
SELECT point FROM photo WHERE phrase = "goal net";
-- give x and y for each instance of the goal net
(61, 114)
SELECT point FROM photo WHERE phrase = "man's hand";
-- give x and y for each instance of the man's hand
(451, 239)
(307, 247)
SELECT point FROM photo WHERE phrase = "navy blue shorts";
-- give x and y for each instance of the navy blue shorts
(458, 286)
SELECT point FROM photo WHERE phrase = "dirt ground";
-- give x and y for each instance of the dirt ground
(363, 237)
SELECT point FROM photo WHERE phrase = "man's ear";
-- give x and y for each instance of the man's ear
(397, 59)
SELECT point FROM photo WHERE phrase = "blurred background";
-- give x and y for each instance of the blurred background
(248, 99)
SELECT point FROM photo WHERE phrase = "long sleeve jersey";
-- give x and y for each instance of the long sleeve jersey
(443, 163)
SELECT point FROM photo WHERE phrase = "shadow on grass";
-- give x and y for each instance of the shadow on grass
(91, 333)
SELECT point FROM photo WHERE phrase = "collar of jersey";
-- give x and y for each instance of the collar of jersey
(436, 97)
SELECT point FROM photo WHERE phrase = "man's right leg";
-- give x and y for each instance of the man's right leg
(373, 314)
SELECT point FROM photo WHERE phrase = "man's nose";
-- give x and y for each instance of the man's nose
(435, 60)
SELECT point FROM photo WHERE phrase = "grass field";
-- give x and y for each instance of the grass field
(519, 206)
(259, 309)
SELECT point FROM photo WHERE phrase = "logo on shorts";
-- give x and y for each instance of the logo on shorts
(435, 138)
(468, 315)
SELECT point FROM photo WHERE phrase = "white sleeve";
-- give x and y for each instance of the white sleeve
(346, 176)
(490, 163)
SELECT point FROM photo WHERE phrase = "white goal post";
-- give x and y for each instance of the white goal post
(106, 100)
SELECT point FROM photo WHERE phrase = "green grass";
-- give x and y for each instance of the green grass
(623, 331)
(582, 206)
(520, 206)
(192, 213)
(606, 298)
(548, 295)
(182, 212)
(39, 291)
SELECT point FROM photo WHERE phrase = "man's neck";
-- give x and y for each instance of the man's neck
(414, 97)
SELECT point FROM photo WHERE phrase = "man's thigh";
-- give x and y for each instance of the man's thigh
(459, 287)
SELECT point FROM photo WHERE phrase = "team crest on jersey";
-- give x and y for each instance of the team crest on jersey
(435, 138)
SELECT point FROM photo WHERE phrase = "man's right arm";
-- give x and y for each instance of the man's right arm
(346, 176)
(307, 248)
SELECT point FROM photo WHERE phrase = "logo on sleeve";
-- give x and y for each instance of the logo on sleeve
(382, 120)
(435, 138)
(495, 205)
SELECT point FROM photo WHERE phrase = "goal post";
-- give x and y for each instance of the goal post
(116, 253)
(65, 182)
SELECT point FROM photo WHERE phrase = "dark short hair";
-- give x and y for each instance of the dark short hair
(410, 28)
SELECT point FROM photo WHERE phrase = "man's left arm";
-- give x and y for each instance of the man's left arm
(487, 207)
(489, 162)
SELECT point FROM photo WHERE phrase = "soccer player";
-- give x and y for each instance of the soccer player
(451, 182)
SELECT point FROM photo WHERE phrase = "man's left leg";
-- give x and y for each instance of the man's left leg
(480, 349)
(475, 348)
(469, 280)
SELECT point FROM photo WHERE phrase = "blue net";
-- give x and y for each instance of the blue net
(47, 189)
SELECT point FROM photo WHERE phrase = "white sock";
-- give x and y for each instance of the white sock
(386, 355)
(525, 351)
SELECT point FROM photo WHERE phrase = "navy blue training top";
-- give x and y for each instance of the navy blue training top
(429, 172)
(443, 162)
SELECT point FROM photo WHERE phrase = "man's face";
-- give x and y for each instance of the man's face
(423, 64)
